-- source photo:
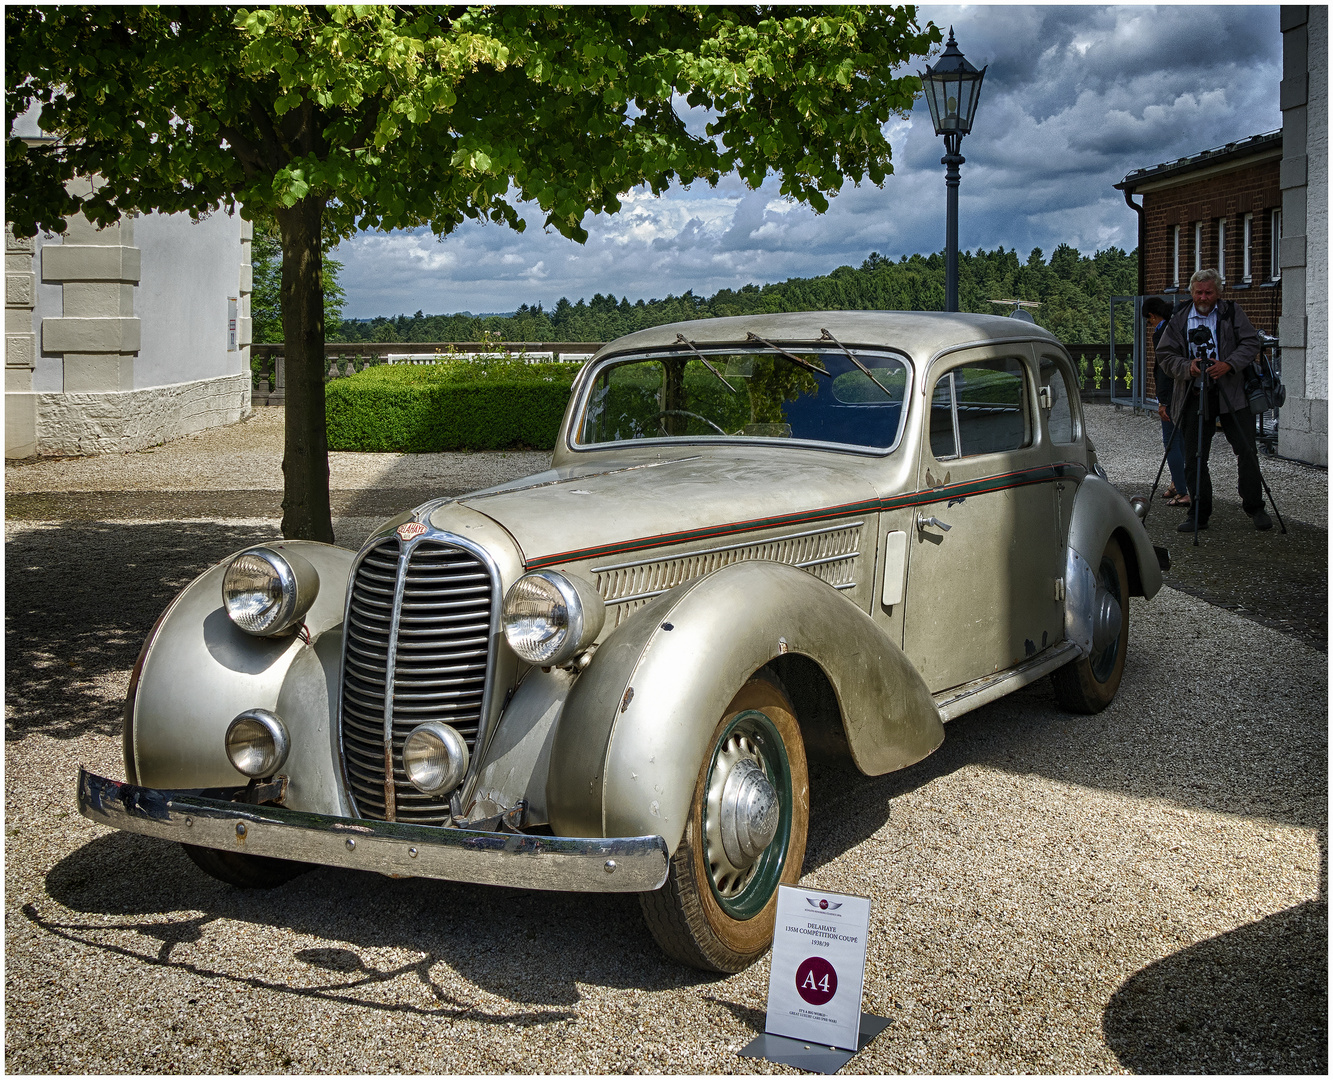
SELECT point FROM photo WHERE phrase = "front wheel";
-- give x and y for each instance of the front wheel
(1090, 684)
(242, 870)
(745, 836)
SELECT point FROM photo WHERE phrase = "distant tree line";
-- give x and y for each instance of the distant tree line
(1073, 290)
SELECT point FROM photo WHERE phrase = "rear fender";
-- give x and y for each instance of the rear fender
(637, 722)
(199, 671)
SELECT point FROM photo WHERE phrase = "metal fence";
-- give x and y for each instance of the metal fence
(1099, 378)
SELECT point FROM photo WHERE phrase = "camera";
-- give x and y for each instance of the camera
(1201, 335)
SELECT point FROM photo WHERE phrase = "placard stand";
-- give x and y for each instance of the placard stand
(816, 978)
(812, 1057)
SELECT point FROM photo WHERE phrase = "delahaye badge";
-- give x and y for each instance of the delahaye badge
(410, 529)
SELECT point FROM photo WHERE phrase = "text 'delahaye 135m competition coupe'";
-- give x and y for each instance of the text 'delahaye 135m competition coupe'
(759, 538)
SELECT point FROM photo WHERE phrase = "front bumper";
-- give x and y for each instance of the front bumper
(566, 864)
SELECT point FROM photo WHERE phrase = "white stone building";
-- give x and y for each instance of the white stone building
(1303, 327)
(125, 337)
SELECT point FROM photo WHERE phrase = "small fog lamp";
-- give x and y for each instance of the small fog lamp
(435, 758)
(267, 592)
(1140, 505)
(550, 618)
(257, 743)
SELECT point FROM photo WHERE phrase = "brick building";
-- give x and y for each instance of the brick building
(1221, 208)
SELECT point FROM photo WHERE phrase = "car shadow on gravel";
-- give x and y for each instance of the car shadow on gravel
(504, 941)
(79, 600)
(1254, 1000)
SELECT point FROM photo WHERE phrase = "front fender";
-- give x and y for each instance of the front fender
(199, 670)
(637, 723)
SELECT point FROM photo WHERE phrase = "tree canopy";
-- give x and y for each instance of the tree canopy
(330, 120)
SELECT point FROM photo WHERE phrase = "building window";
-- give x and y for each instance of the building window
(1175, 256)
(1247, 238)
(1275, 265)
(1198, 246)
(1222, 248)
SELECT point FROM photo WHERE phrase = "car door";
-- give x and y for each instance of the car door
(984, 549)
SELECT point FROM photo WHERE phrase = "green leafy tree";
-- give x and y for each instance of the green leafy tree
(335, 119)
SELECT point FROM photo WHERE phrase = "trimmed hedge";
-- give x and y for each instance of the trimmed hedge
(453, 405)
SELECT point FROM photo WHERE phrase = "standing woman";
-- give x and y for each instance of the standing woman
(1157, 311)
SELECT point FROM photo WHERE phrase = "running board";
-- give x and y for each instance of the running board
(962, 699)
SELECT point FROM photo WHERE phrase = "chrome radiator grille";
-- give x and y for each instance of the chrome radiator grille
(429, 651)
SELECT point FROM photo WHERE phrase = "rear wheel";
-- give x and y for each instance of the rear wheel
(242, 870)
(745, 836)
(1090, 684)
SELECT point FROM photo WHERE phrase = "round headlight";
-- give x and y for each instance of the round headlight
(257, 743)
(550, 618)
(266, 592)
(435, 758)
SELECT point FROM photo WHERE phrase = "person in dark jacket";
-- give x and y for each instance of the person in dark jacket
(1232, 346)
(1157, 312)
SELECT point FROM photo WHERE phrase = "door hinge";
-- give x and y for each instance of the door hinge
(1059, 588)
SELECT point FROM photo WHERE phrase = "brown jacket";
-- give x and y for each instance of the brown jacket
(1237, 344)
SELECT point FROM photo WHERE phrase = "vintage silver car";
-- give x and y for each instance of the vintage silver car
(760, 537)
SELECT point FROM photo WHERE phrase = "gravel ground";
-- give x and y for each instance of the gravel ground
(1140, 891)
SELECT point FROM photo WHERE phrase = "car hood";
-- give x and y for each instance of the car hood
(619, 507)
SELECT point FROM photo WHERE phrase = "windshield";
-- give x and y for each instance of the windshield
(751, 394)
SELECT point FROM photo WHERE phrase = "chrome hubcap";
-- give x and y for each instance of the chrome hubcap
(741, 814)
(1106, 620)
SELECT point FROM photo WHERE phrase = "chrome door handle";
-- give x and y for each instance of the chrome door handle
(932, 523)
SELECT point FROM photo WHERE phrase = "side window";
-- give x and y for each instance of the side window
(1060, 419)
(987, 410)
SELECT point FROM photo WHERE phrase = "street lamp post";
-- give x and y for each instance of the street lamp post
(953, 88)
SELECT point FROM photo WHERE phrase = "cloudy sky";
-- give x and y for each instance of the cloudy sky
(1074, 98)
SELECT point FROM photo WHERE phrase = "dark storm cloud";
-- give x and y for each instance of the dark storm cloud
(1074, 98)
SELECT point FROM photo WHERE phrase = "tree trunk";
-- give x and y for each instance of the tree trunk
(305, 458)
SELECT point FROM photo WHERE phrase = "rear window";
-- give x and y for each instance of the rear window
(751, 394)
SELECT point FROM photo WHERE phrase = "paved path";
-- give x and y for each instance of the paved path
(1140, 891)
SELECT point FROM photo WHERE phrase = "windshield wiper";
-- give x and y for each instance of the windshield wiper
(826, 336)
(788, 356)
(690, 345)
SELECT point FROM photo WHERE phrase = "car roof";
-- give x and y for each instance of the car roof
(918, 333)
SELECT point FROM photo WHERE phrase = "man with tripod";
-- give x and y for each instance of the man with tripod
(1205, 347)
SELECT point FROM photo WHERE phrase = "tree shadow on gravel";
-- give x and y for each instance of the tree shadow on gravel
(530, 948)
(79, 600)
(1254, 1000)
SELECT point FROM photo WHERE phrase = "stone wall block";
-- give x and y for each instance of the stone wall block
(19, 244)
(21, 350)
(123, 422)
(20, 425)
(1294, 92)
(76, 335)
(20, 289)
(93, 373)
(1292, 251)
(1291, 330)
(98, 300)
(90, 262)
(1294, 171)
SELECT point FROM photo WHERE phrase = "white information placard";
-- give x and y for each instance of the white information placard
(819, 963)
